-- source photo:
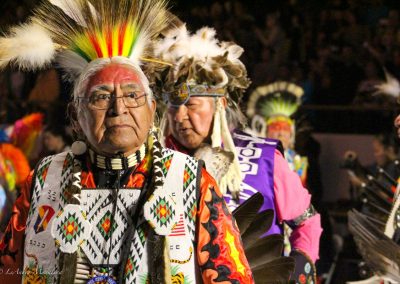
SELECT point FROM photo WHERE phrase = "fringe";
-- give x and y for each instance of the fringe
(222, 136)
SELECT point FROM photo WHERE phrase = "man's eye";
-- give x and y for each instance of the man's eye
(101, 97)
(132, 95)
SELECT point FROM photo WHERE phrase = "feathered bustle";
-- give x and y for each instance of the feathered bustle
(379, 251)
(264, 253)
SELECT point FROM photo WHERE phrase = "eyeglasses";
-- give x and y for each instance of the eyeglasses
(105, 101)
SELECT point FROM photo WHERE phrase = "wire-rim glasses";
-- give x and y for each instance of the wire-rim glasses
(105, 101)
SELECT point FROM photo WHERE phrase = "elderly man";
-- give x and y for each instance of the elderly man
(118, 207)
(202, 91)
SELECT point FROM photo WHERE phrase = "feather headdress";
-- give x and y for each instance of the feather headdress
(204, 66)
(279, 98)
(80, 31)
(200, 58)
(273, 102)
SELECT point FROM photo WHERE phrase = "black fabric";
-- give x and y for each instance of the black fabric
(108, 178)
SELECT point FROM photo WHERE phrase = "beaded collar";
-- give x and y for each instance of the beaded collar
(118, 163)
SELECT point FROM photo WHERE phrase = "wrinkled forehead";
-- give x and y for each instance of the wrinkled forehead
(116, 74)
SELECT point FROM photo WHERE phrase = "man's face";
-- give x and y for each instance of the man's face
(117, 129)
(191, 123)
(280, 130)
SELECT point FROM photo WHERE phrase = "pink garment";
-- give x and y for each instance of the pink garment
(292, 199)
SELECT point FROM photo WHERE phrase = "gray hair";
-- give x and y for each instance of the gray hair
(235, 117)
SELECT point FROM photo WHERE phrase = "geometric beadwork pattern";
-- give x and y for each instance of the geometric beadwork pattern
(131, 266)
(42, 172)
(66, 178)
(158, 207)
(70, 229)
(159, 211)
(190, 194)
(108, 230)
(166, 162)
(136, 254)
(162, 211)
(104, 225)
(188, 177)
(38, 185)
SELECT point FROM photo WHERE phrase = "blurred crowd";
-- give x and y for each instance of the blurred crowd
(334, 49)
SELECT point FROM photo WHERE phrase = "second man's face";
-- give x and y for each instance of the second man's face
(191, 123)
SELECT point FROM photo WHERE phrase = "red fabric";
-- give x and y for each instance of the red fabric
(172, 143)
(11, 244)
(219, 242)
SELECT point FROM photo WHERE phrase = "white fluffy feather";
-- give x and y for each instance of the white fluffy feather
(390, 87)
(29, 46)
(234, 50)
(178, 44)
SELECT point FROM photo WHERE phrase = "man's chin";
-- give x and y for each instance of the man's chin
(113, 147)
(191, 145)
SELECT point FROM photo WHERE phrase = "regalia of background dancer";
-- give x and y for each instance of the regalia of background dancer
(376, 231)
(14, 168)
(202, 91)
(118, 207)
(270, 109)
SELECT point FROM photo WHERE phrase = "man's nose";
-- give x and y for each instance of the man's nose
(118, 104)
(181, 113)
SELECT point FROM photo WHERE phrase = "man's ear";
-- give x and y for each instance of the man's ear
(153, 107)
(224, 102)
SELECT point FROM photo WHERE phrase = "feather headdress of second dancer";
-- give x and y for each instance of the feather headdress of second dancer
(204, 66)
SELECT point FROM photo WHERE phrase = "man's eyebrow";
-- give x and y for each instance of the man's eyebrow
(106, 88)
(131, 86)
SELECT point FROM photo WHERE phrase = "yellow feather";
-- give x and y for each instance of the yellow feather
(115, 35)
(100, 36)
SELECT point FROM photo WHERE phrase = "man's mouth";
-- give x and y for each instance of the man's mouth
(118, 126)
(184, 130)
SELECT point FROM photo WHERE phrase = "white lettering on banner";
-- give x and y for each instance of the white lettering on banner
(245, 156)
